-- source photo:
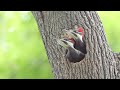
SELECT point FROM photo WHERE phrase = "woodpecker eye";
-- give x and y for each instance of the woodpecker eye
(80, 33)
(65, 42)
(65, 39)
(74, 34)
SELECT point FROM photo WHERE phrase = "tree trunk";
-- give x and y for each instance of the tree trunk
(100, 61)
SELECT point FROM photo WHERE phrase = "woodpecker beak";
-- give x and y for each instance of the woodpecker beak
(65, 43)
(62, 43)
(75, 35)
(72, 34)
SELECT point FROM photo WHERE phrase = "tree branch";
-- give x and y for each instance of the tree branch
(100, 61)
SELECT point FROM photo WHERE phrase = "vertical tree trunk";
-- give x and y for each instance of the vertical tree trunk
(100, 62)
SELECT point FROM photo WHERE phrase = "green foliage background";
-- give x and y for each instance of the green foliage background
(111, 24)
(22, 53)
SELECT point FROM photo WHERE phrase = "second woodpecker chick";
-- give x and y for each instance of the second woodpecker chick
(72, 54)
(79, 40)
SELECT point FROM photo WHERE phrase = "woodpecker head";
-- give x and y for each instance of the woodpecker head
(75, 35)
(79, 30)
(72, 54)
(66, 43)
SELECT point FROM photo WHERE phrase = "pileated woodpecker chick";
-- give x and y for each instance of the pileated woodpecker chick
(79, 41)
(72, 54)
(78, 36)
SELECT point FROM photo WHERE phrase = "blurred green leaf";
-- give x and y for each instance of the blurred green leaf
(22, 51)
(111, 20)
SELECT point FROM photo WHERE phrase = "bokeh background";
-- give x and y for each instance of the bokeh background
(22, 53)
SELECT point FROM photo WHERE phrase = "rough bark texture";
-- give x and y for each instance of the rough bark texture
(100, 62)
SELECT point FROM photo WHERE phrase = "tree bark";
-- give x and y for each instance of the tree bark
(100, 61)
